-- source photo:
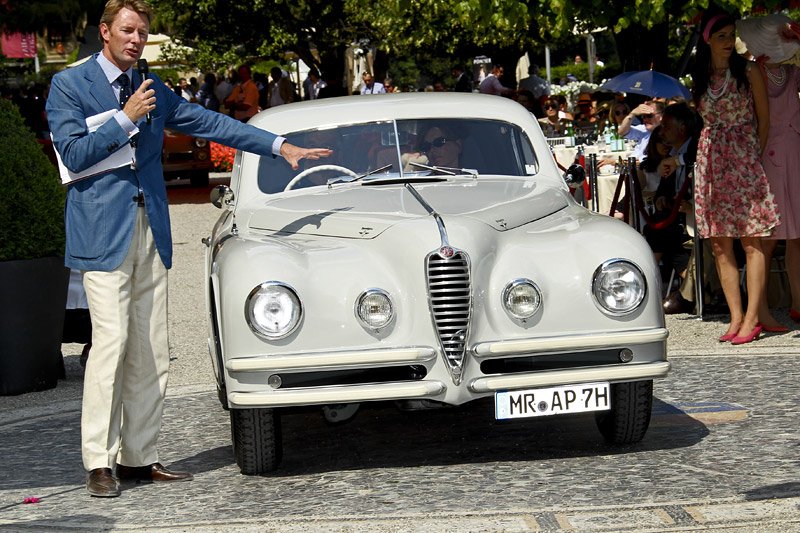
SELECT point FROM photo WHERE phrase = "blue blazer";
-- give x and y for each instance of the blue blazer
(100, 211)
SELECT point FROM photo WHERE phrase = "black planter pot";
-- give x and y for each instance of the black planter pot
(34, 294)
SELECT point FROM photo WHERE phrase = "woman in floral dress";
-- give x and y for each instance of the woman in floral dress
(774, 39)
(732, 195)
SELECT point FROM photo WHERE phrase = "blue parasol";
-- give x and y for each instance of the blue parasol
(646, 83)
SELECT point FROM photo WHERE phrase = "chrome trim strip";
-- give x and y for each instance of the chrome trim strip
(319, 361)
(550, 378)
(339, 394)
(569, 342)
(431, 211)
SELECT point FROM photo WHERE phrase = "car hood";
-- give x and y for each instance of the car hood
(364, 210)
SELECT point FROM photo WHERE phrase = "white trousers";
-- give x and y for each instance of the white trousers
(126, 374)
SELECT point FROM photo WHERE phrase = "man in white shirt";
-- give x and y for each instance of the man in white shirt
(649, 113)
(491, 83)
(371, 86)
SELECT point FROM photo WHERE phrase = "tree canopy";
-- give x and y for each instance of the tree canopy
(222, 32)
(318, 31)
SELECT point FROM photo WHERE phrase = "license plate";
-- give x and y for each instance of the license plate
(565, 399)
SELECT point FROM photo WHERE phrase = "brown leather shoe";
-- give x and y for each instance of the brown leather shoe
(675, 303)
(101, 483)
(153, 472)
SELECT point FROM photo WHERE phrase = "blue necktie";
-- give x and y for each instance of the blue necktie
(124, 95)
(125, 89)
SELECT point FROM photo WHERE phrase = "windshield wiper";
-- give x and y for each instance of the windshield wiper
(348, 179)
(450, 171)
(376, 171)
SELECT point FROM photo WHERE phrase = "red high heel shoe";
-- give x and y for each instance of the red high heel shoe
(727, 337)
(748, 338)
(794, 315)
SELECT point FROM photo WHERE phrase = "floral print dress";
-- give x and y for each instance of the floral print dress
(731, 195)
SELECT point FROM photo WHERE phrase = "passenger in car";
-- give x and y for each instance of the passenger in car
(440, 145)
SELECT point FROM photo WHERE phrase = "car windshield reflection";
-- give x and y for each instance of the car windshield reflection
(404, 149)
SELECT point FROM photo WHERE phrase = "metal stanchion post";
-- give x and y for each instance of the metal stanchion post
(593, 182)
(697, 248)
(631, 192)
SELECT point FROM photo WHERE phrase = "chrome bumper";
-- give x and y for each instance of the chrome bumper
(432, 388)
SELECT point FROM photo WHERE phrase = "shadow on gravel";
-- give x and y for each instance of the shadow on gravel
(769, 492)
(381, 436)
(196, 437)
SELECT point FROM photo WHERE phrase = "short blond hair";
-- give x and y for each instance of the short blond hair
(115, 6)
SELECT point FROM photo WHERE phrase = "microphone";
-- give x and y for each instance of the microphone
(143, 69)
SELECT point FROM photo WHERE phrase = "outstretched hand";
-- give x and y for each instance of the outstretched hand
(293, 154)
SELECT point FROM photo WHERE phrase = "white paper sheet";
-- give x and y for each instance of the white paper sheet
(120, 158)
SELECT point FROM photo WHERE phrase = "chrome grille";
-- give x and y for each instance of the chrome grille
(450, 301)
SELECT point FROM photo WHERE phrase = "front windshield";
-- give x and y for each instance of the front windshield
(482, 146)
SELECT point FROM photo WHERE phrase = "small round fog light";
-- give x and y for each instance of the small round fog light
(374, 308)
(626, 355)
(522, 298)
(275, 381)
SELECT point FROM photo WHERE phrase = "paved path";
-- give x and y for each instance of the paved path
(721, 453)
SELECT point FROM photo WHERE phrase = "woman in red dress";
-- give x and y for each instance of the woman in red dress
(732, 195)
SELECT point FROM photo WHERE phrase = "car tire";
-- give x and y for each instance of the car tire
(199, 179)
(257, 445)
(629, 417)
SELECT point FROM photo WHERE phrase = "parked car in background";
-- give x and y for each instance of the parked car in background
(437, 257)
(184, 156)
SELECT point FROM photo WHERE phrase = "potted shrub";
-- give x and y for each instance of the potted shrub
(33, 279)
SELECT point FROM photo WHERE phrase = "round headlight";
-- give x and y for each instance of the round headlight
(522, 298)
(273, 310)
(374, 308)
(618, 286)
(200, 143)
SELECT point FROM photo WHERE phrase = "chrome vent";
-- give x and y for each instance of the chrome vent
(451, 304)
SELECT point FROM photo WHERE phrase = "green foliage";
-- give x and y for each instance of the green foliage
(261, 28)
(408, 73)
(449, 26)
(226, 33)
(580, 71)
(31, 195)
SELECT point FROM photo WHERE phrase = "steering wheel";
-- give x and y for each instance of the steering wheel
(320, 168)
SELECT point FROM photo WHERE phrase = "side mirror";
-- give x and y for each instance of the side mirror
(575, 176)
(221, 196)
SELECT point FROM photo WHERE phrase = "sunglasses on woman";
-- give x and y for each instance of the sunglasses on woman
(438, 142)
(550, 106)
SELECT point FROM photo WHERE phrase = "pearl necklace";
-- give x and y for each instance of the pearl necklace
(778, 79)
(715, 94)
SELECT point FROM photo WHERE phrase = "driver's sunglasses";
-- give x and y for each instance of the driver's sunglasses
(550, 106)
(438, 142)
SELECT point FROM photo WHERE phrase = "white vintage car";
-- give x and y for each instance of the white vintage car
(435, 258)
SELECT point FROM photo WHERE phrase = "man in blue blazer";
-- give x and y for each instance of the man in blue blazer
(118, 234)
